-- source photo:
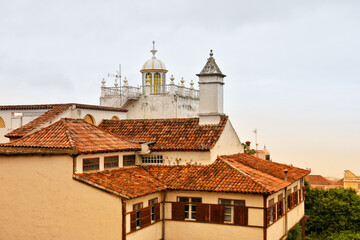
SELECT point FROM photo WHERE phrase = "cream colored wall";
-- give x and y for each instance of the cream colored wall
(40, 200)
(181, 230)
(182, 157)
(353, 185)
(295, 215)
(228, 143)
(154, 231)
(277, 229)
(79, 159)
(98, 115)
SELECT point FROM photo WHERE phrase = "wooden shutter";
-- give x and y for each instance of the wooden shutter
(157, 212)
(145, 217)
(217, 213)
(240, 215)
(268, 216)
(274, 212)
(202, 212)
(133, 221)
(178, 211)
(279, 208)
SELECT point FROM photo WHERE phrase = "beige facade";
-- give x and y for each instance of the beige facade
(351, 181)
(40, 200)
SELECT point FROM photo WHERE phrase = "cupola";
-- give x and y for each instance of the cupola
(154, 72)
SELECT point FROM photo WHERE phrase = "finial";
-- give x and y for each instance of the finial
(103, 81)
(115, 84)
(153, 51)
(172, 79)
(191, 84)
(182, 81)
(211, 53)
(125, 82)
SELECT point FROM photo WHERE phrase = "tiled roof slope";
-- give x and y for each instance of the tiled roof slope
(73, 134)
(265, 166)
(37, 122)
(169, 134)
(127, 182)
(224, 175)
(49, 106)
(318, 180)
(54, 111)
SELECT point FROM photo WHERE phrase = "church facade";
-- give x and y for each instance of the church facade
(129, 174)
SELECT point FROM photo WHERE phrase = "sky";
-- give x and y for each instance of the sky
(293, 67)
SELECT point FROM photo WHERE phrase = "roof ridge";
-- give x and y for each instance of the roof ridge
(247, 175)
(67, 132)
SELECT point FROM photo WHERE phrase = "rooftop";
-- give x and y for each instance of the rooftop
(176, 134)
(71, 134)
(226, 174)
(54, 111)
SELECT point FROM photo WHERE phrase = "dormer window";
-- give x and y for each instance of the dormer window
(111, 162)
(90, 164)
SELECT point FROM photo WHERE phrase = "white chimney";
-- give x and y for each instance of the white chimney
(211, 81)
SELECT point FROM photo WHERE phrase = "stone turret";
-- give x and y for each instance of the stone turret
(211, 81)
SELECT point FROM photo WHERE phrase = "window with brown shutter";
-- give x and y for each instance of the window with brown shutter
(133, 221)
(178, 211)
(157, 212)
(202, 212)
(268, 216)
(240, 215)
(217, 213)
(145, 217)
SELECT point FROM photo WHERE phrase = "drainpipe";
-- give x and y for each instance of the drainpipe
(123, 205)
(286, 202)
(163, 216)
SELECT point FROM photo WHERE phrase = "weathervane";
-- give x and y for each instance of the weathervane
(117, 76)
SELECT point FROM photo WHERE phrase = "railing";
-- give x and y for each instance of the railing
(128, 92)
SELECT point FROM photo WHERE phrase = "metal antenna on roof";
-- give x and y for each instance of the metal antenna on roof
(117, 77)
(256, 143)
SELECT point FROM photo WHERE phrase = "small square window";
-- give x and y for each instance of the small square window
(129, 160)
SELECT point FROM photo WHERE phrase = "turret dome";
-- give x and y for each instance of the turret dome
(153, 64)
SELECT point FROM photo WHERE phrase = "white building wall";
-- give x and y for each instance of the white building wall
(162, 106)
(228, 143)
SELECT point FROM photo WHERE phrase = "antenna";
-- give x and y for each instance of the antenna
(256, 143)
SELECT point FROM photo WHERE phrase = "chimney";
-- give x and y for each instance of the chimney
(286, 176)
(211, 81)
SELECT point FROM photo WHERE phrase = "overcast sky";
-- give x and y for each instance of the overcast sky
(293, 67)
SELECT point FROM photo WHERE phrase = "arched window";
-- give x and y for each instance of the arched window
(115, 118)
(90, 119)
(157, 82)
(2, 123)
(148, 77)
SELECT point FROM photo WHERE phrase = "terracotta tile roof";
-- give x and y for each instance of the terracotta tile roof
(73, 134)
(318, 180)
(54, 111)
(268, 167)
(169, 134)
(226, 174)
(339, 182)
(49, 106)
(127, 182)
(37, 122)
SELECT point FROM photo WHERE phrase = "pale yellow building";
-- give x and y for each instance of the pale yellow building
(351, 181)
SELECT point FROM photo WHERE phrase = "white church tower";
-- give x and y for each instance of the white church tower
(211, 82)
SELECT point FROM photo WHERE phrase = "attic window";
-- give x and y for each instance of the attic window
(111, 162)
(90, 164)
(152, 159)
(129, 160)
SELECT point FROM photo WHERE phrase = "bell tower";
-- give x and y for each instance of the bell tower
(211, 82)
